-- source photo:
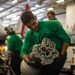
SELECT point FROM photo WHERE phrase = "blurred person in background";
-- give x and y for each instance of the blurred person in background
(14, 44)
(51, 16)
(38, 31)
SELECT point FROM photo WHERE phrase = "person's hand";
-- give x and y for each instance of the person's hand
(58, 61)
(61, 57)
(36, 63)
(37, 60)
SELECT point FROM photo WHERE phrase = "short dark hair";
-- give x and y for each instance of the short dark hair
(27, 16)
(51, 12)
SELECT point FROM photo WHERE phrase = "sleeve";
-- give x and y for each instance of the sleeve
(27, 45)
(60, 32)
(10, 44)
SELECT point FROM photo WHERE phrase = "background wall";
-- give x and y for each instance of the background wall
(70, 16)
(62, 18)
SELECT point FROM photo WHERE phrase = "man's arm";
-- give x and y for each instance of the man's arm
(64, 48)
(25, 58)
(61, 33)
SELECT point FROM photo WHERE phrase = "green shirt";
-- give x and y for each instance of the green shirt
(14, 43)
(47, 29)
(55, 19)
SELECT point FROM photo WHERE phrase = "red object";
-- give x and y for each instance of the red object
(27, 7)
(22, 30)
(23, 26)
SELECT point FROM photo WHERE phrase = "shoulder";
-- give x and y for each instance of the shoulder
(50, 23)
(13, 37)
(29, 34)
(46, 22)
(9, 39)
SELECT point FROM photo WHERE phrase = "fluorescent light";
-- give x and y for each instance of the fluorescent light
(13, 22)
(33, 8)
(36, 12)
(4, 13)
(13, 15)
(41, 10)
(15, 18)
(14, 1)
(6, 21)
(51, 8)
(59, 1)
(10, 16)
(37, 5)
(1, 9)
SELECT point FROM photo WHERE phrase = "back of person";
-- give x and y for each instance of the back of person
(17, 44)
(14, 43)
(51, 16)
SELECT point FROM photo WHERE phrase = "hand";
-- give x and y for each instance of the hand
(37, 60)
(36, 63)
(61, 57)
(58, 61)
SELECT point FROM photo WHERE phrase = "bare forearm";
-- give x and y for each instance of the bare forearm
(25, 58)
(64, 48)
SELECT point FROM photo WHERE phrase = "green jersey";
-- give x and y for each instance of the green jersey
(46, 29)
(14, 42)
(55, 19)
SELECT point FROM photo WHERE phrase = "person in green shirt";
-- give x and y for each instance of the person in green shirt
(14, 44)
(38, 31)
(51, 16)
